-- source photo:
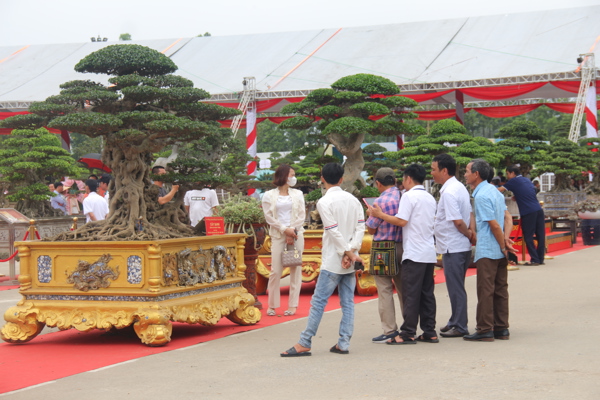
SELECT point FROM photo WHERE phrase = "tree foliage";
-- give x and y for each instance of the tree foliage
(566, 159)
(145, 109)
(342, 115)
(446, 136)
(27, 156)
(522, 144)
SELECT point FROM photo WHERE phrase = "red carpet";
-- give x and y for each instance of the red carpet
(5, 279)
(60, 354)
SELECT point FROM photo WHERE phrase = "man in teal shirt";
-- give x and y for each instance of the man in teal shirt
(490, 256)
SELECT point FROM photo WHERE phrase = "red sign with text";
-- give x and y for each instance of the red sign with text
(214, 225)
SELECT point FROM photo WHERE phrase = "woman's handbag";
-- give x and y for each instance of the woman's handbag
(291, 258)
(383, 258)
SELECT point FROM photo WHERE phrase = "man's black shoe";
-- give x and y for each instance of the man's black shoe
(453, 333)
(446, 328)
(502, 334)
(480, 337)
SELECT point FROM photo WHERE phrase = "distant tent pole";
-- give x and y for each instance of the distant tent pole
(460, 107)
(251, 141)
(591, 112)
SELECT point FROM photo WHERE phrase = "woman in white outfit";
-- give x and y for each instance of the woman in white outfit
(285, 212)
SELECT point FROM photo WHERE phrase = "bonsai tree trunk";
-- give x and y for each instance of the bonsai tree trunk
(350, 147)
(132, 196)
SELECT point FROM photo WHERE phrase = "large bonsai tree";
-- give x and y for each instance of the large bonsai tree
(566, 159)
(343, 115)
(523, 144)
(28, 156)
(446, 136)
(144, 109)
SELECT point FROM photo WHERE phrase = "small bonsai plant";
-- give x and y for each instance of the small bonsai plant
(242, 214)
(591, 204)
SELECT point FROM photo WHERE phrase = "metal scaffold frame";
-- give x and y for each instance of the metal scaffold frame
(588, 76)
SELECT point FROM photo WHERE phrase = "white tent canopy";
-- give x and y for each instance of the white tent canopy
(421, 57)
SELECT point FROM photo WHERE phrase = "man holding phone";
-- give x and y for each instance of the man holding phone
(416, 216)
(343, 231)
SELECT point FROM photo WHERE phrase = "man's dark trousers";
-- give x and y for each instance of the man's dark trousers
(418, 298)
(533, 224)
(455, 269)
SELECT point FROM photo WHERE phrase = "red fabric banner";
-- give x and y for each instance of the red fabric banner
(501, 92)
(567, 108)
(436, 114)
(506, 111)
(419, 98)
(227, 122)
(569, 86)
(266, 104)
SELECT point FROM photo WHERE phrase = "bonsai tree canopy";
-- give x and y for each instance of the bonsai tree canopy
(145, 109)
(354, 106)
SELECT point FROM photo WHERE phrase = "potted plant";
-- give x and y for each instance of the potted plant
(589, 208)
(589, 211)
(244, 214)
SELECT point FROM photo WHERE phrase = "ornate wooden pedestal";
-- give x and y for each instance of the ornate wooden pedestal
(147, 284)
(311, 263)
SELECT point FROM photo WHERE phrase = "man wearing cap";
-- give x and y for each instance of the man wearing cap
(453, 239)
(385, 182)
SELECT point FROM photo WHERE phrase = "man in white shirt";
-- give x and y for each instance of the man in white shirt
(200, 204)
(343, 231)
(95, 207)
(454, 237)
(416, 215)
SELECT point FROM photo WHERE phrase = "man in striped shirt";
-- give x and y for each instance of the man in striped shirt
(385, 181)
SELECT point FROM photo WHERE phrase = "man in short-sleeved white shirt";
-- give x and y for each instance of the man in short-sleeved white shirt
(416, 215)
(453, 240)
(200, 204)
(95, 207)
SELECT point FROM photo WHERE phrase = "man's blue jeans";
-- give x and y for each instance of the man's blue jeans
(326, 284)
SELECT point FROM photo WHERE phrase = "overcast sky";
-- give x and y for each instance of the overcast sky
(25, 22)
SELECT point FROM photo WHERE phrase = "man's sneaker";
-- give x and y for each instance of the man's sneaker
(384, 338)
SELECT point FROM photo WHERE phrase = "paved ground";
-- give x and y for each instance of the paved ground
(553, 353)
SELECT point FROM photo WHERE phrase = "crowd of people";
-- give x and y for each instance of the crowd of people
(94, 197)
(415, 228)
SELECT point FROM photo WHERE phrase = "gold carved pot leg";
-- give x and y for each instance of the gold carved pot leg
(245, 313)
(153, 326)
(21, 324)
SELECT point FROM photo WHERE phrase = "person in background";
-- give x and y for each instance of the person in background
(59, 201)
(536, 185)
(385, 182)
(95, 208)
(285, 212)
(531, 213)
(103, 184)
(51, 187)
(344, 228)
(93, 176)
(200, 203)
(163, 196)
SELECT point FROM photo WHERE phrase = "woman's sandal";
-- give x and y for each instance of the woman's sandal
(288, 313)
(271, 312)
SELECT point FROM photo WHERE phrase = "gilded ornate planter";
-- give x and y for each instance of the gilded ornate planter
(147, 284)
(311, 263)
